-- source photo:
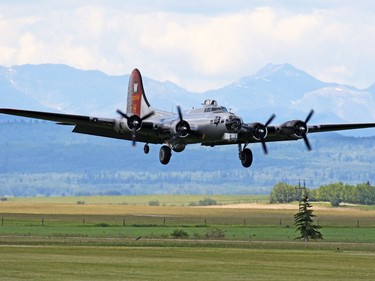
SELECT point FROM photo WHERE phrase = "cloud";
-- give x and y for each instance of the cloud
(196, 48)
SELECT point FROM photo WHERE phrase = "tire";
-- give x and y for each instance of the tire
(146, 149)
(246, 158)
(165, 154)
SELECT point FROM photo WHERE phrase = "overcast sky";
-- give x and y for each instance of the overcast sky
(198, 45)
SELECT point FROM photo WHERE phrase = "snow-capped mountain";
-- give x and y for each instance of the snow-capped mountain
(291, 93)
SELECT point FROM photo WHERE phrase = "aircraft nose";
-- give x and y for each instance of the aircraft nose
(233, 123)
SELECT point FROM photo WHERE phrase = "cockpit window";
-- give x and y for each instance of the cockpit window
(212, 109)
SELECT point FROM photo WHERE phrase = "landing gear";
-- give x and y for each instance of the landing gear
(165, 154)
(146, 148)
(245, 155)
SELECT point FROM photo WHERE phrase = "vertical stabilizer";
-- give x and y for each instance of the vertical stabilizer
(137, 103)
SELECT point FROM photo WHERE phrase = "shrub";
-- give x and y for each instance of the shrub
(207, 202)
(215, 233)
(103, 224)
(154, 203)
(179, 233)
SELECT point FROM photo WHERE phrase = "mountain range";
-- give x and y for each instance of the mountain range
(282, 89)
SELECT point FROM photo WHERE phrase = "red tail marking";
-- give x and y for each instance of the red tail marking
(136, 93)
(137, 103)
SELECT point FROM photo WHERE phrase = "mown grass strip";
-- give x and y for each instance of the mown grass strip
(181, 263)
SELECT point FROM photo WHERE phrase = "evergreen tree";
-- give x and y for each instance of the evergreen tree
(304, 223)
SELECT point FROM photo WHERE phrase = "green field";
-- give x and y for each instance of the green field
(122, 238)
(176, 263)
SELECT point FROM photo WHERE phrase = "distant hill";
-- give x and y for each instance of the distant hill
(41, 158)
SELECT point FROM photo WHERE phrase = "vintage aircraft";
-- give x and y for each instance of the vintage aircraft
(208, 125)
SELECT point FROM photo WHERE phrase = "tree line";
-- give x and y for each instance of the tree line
(334, 193)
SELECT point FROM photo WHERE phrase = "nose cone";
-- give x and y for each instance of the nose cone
(233, 123)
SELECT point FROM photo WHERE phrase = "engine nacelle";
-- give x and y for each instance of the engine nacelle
(257, 131)
(181, 128)
(128, 124)
(296, 129)
(121, 125)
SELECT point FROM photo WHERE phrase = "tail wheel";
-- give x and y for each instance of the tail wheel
(246, 157)
(165, 154)
(146, 149)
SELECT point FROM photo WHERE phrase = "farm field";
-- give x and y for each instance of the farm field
(181, 263)
(241, 239)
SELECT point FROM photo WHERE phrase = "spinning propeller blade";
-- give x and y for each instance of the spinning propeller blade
(134, 122)
(264, 136)
(122, 114)
(179, 113)
(309, 116)
(306, 140)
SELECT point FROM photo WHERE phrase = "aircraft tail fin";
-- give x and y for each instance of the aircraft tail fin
(137, 103)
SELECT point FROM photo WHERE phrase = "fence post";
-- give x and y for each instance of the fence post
(43, 221)
(357, 223)
(123, 222)
(244, 222)
(2, 221)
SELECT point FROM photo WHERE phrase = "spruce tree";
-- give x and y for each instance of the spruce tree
(304, 223)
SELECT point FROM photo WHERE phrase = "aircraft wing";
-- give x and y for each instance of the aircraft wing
(339, 127)
(280, 133)
(97, 126)
(62, 119)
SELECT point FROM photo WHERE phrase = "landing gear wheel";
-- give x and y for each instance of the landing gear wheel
(246, 157)
(146, 149)
(165, 154)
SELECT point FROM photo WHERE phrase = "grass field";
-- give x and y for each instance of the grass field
(176, 263)
(122, 238)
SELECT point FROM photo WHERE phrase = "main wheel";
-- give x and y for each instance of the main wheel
(165, 154)
(246, 157)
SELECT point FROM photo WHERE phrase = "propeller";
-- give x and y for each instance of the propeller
(182, 127)
(301, 129)
(264, 134)
(306, 140)
(179, 113)
(134, 122)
